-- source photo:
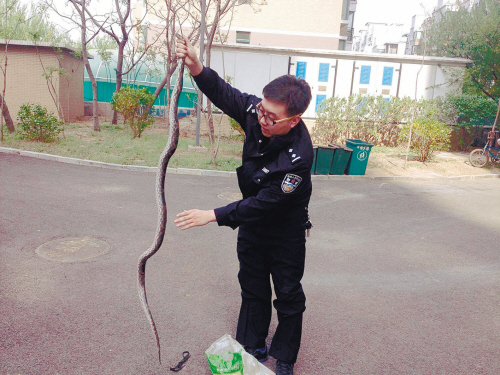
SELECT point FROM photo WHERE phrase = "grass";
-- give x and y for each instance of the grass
(115, 144)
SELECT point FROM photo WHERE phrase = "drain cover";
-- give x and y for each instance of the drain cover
(72, 249)
(230, 196)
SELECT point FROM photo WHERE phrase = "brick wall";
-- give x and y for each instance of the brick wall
(26, 82)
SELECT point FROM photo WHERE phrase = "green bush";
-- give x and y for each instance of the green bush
(427, 136)
(372, 119)
(134, 105)
(38, 124)
(470, 113)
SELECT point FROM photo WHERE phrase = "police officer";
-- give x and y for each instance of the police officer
(275, 181)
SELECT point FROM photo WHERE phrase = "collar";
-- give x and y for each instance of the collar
(280, 141)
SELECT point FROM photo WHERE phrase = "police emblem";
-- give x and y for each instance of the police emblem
(290, 183)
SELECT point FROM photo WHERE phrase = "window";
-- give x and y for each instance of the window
(323, 72)
(364, 77)
(342, 45)
(417, 35)
(241, 2)
(243, 37)
(387, 77)
(391, 48)
(301, 69)
(319, 100)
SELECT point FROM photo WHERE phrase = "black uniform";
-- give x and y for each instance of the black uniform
(275, 180)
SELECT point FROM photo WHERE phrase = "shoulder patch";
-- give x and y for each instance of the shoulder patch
(290, 182)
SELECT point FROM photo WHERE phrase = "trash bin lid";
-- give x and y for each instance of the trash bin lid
(340, 146)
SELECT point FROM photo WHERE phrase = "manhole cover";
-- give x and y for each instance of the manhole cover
(230, 196)
(72, 249)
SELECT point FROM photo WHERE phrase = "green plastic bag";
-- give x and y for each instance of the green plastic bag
(227, 357)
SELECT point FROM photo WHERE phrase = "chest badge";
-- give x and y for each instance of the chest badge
(290, 183)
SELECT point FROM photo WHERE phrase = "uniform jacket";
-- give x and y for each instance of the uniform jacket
(275, 175)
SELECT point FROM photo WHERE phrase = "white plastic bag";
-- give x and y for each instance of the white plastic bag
(227, 357)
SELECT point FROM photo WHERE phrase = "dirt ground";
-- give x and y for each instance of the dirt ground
(443, 164)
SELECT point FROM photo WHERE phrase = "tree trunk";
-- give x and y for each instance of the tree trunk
(94, 94)
(6, 115)
(208, 52)
(160, 86)
(497, 117)
(119, 76)
(83, 36)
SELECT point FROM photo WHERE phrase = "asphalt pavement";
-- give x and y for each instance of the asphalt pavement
(402, 277)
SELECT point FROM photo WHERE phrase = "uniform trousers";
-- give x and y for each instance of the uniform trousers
(277, 253)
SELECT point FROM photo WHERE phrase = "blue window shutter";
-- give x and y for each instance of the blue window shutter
(364, 77)
(387, 77)
(301, 69)
(319, 99)
(323, 72)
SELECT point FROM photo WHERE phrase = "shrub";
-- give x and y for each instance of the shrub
(470, 113)
(38, 124)
(134, 104)
(372, 119)
(428, 135)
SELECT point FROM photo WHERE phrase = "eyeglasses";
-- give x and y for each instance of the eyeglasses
(269, 121)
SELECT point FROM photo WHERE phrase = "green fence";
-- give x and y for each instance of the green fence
(105, 92)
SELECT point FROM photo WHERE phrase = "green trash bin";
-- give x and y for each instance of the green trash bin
(315, 153)
(324, 158)
(340, 159)
(359, 157)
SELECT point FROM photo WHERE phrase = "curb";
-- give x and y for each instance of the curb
(214, 173)
(99, 164)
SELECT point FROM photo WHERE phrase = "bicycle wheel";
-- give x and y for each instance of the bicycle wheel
(479, 158)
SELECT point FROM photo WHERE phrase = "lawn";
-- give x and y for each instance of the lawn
(115, 144)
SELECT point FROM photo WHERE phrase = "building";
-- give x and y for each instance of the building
(444, 6)
(29, 64)
(318, 24)
(289, 23)
(336, 73)
(416, 35)
(147, 74)
(379, 38)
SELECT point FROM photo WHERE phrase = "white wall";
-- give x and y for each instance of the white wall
(252, 71)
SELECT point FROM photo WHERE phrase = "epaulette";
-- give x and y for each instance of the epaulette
(251, 108)
(294, 157)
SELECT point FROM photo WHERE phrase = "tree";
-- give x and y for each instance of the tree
(118, 25)
(173, 14)
(176, 14)
(79, 17)
(473, 35)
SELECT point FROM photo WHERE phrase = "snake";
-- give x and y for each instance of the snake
(168, 151)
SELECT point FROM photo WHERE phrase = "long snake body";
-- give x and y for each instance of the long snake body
(171, 146)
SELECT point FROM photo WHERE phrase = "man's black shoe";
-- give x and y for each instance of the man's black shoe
(283, 368)
(261, 354)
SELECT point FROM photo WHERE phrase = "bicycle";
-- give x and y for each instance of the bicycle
(482, 156)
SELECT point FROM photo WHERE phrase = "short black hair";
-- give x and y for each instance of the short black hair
(291, 91)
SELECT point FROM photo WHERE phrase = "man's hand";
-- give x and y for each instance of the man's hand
(194, 218)
(185, 50)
